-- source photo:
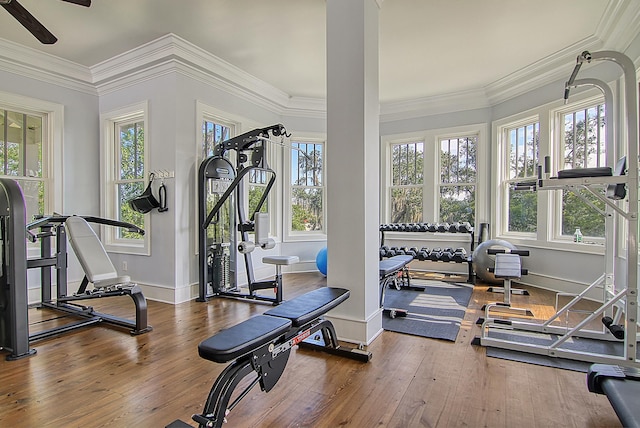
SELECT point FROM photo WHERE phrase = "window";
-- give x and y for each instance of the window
(583, 146)
(215, 131)
(458, 179)
(523, 146)
(258, 181)
(307, 187)
(407, 180)
(125, 154)
(21, 157)
(130, 179)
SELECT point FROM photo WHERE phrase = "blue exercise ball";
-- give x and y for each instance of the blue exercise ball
(321, 261)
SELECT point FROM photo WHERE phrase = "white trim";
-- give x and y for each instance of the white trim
(499, 199)
(557, 159)
(172, 54)
(107, 177)
(287, 234)
(53, 150)
(431, 183)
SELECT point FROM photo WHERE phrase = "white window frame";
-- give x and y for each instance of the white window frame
(502, 173)
(391, 186)
(109, 158)
(557, 162)
(52, 143)
(288, 234)
(431, 148)
(440, 184)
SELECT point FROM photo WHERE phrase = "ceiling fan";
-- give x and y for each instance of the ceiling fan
(31, 23)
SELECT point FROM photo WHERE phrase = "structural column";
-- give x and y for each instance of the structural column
(352, 172)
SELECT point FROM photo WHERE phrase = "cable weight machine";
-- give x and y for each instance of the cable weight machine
(223, 222)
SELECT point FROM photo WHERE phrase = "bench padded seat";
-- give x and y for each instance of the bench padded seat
(393, 264)
(309, 306)
(242, 338)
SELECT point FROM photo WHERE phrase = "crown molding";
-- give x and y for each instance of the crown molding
(548, 70)
(39, 65)
(170, 53)
(619, 24)
(439, 104)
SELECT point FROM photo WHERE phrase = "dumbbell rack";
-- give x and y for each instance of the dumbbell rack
(446, 255)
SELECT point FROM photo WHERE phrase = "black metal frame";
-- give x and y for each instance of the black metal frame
(251, 156)
(268, 363)
(51, 226)
(14, 322)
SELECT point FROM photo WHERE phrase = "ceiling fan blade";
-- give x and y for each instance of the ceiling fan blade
(29, 22)
(86, 3)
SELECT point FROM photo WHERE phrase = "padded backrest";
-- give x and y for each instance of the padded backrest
(507, 266)
(93, 257)
(261, 228)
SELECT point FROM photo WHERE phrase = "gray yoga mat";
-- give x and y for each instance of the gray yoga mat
(436, 312)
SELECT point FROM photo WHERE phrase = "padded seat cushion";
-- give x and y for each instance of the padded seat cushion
(394, 264)
(310, 306)
(281, 260)
(119, 280)
(242, 338)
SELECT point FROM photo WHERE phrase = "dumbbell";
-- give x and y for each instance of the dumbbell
(446, 255)
(432, 227)
(465, 227)
(460, 255)
(443, 227)
(413, 251)
(423, 254)
(422, 227)
(435, 254)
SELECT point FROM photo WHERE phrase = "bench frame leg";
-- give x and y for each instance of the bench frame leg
(268, 369)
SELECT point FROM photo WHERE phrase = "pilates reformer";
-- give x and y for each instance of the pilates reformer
(608, 184)
(99, 271)
(261, 346)
(221, 211)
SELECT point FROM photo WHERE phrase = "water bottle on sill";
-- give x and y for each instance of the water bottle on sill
(577, 236)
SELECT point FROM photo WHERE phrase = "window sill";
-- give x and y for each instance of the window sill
(140, 250)
(596, 248)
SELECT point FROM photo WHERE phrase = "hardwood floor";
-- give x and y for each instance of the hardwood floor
(100, 376)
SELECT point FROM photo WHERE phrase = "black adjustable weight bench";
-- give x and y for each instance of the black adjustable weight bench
(389, 270)
(262, 344)
(621, 385)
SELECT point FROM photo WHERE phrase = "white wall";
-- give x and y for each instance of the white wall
(171, 269)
